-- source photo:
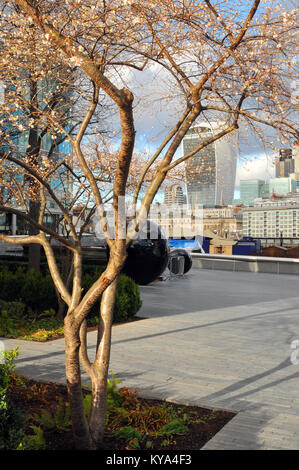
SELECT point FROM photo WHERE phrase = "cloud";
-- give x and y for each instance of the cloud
(258, 167)
(157, 103)
(157, 106)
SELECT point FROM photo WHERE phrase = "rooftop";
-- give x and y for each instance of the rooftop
(217, 339)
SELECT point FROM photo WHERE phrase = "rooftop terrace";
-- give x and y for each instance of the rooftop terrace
(217, 339)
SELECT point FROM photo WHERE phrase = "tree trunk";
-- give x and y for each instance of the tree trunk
(99, 370)
(61, 306)
(32, 153)
(34, 249)
(81, 432)
(66, 273)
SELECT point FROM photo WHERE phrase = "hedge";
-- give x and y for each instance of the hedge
(37, 293)
(127, 300)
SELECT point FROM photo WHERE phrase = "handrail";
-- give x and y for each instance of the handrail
(244, 257)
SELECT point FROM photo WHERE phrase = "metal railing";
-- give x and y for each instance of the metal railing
(257, 264)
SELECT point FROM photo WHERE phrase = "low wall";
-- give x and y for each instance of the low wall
(255, 264)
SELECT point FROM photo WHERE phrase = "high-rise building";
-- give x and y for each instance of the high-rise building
(252, 189)
(15, 140)
(211, 172)
(284, 164)
(282, 186)
(174, 195)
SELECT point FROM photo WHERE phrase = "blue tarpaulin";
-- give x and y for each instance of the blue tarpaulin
(186, 244)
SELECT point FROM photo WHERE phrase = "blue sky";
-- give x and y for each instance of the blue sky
(155, 115)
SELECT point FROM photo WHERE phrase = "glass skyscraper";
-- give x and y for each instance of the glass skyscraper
(16, 141)
(252, 189)
(282, 186)
(211, 172)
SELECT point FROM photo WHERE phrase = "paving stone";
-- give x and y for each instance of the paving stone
(215, 339)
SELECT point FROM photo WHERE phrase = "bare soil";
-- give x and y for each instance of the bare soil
(31, 397)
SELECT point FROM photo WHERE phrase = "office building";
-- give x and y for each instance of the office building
(210, 173)
(284, 164)
(271, 221)
(15, 140)
(282, 186)
(252, 189)
(174, 195)
(178, 221)
(291, 199)
(224, 222)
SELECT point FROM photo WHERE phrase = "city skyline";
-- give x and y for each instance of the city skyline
(259, 167)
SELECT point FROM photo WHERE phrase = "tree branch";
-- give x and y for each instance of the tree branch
(41, 227)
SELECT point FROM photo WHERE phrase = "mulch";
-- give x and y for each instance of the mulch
(32, 397)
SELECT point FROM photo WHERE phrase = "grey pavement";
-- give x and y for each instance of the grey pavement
(215, 339)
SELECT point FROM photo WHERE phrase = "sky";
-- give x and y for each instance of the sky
(154, 115)
(254, 161)
(259, 166)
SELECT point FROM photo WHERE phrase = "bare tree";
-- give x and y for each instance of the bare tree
(225, 61)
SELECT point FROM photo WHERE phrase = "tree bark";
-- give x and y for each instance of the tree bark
(32, 153)
(99, 369)
(61, 306)
(81, 432)
(34, 251)
(66, 274)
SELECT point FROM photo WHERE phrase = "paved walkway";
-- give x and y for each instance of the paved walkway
(216, 339)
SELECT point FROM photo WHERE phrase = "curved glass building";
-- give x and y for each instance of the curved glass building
(211, 172)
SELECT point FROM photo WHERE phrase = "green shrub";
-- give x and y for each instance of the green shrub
(90, 276)
(91, 268)
(60, 421)
(31, 288)
(3, 305)
(31, 294)
(127, 433)
(15, 309)
(11, 314)
(11, 284)
(127, 301)
(38, 291)
(7, 365)
(35, 441)
(34, 327)
(11, 426)
(13, 263)
(11, 419)
(7, 325)
(175, 427)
